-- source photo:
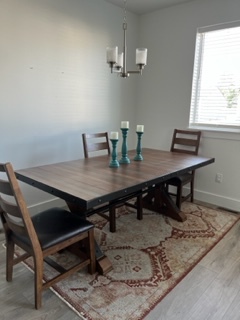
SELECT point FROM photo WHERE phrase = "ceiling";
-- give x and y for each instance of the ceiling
(146, 6)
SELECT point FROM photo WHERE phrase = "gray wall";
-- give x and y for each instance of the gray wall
(165, 92)
(55, 84)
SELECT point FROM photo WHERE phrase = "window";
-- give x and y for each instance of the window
(215, 99)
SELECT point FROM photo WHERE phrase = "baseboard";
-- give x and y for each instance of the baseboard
(214, 199)
(220, 201)
(56, 202)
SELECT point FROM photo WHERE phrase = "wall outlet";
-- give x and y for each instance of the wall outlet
(219, 177)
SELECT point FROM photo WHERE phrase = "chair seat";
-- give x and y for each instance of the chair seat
(56, 225)
(180, 179)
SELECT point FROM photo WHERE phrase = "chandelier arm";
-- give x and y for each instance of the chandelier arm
(137, 72)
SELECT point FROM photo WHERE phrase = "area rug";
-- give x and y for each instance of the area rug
(149, 257)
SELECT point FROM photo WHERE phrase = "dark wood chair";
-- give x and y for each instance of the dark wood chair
(43, 234)
(94, 143)
(184, 141)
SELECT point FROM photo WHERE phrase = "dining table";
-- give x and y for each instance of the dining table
(90, 185)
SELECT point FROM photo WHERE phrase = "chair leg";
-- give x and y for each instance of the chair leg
(9, 260)
(166, 186)
(139, 207)
(112, 219)
(91, 248)
(192, 190)
(38, 275)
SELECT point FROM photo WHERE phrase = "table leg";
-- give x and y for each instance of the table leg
(103, 264)
(158, 200)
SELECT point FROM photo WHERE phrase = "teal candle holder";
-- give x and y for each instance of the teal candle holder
(139, 156)
(124, 158)
(114, 162)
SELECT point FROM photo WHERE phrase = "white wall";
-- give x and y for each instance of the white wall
(164, 92)
(55, 82)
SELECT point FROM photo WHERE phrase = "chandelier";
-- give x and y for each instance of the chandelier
(117, 61)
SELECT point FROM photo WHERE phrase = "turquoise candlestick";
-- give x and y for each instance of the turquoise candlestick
(124, 158)
(139, 156)
(114, 162)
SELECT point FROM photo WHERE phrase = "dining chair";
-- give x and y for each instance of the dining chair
(94, 143)
(41, 235)
(184, 141)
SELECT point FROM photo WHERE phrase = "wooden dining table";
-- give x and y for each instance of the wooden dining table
(90, 183)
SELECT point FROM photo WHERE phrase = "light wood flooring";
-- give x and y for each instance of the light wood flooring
(211, 291)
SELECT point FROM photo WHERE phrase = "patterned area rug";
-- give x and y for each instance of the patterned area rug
(149, 257)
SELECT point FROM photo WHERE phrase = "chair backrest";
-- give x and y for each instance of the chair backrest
(13, 209)
(95, 142)
(186, 141)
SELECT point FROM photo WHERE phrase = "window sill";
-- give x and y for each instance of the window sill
(219, 133)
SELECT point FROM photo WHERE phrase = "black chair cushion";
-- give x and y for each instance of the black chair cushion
(56, 225)
(180, 179)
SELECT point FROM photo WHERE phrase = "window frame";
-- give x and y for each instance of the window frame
(196, 80)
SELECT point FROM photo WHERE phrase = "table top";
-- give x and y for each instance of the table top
(90, 182)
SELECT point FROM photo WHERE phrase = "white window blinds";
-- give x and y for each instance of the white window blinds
(216, 79)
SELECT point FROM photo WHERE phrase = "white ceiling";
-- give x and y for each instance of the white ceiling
(146, 6)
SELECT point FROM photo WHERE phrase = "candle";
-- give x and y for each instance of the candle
(114, 135)
(124, 125)
(140, 128)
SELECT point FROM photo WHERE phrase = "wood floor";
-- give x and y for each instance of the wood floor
(211, 291)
